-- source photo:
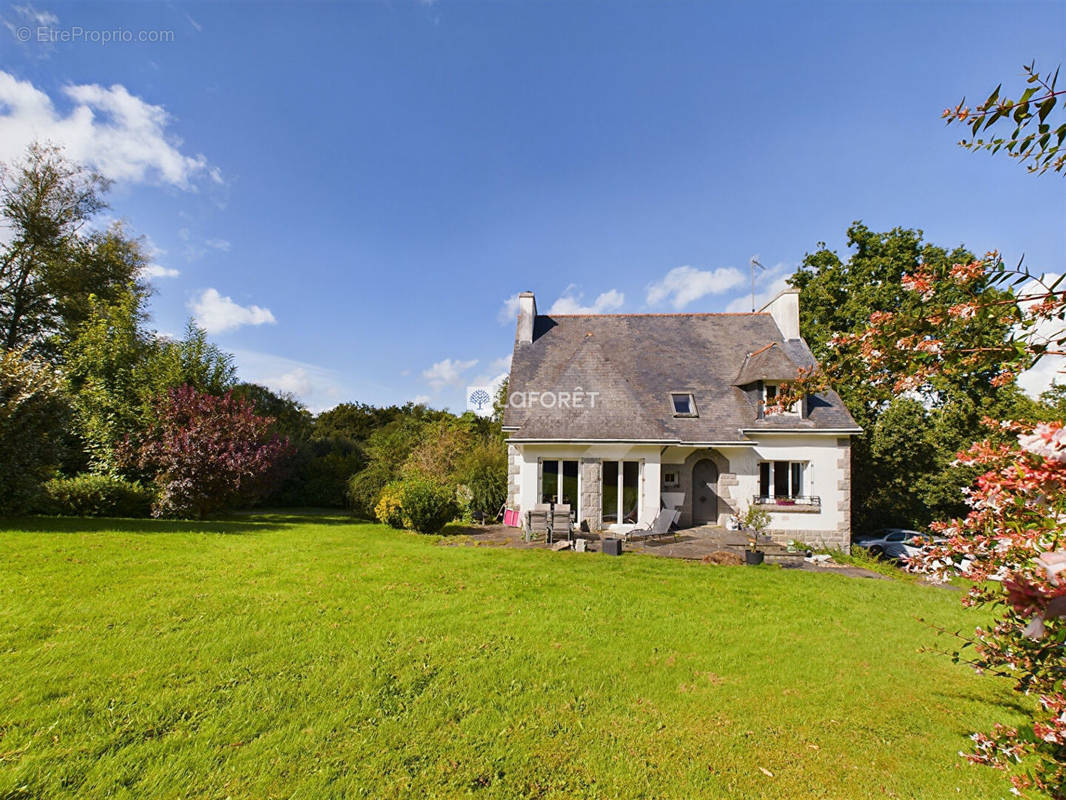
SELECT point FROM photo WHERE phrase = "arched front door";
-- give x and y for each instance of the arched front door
(704, 493)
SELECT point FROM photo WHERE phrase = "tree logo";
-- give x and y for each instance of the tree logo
(479, 400)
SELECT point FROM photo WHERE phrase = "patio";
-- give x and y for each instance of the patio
(692, 544)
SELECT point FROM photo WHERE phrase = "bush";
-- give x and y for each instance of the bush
(488, 489)
(96, 496)
(389, 508)
(427, 507)
(364, 489)
(33, 412)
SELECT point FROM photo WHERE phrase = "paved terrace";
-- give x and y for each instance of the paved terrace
(694, 544)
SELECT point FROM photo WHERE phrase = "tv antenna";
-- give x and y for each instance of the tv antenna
(754, 261)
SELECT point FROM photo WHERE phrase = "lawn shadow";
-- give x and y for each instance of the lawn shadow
(143, 526)
(297, 516)
(1008, 701)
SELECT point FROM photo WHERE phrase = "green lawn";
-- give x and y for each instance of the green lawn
(312, 657)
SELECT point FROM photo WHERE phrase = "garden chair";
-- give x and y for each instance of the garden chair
(561, 522)
(538, 523)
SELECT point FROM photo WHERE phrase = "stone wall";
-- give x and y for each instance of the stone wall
(513, 469)
(727, 481)
(829, 540)
(591, 499)
(844, 485)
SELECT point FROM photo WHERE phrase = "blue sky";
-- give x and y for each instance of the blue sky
(347, 194)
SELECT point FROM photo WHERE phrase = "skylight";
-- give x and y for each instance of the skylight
(684, 404)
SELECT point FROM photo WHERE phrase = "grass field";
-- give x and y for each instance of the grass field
(312, 657)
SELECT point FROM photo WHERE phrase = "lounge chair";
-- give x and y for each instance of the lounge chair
(659, 527)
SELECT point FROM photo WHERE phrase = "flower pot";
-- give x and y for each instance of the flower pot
(753, 557)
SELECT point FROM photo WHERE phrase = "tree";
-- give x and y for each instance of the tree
(839, 297)
(116, 369)
(49, 266)
(206, 452)
(1012, 538)
(33, 411)
(1035, 141)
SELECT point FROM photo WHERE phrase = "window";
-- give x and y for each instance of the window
(621, 491)
(782, 479)
(769, 397)
(684, 404)
(558, 482)
(671, 479)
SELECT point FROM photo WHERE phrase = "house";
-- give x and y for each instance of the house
(624, 414)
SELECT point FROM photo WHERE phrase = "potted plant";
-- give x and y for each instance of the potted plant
(756, 521)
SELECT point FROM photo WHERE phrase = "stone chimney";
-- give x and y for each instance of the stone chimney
(527, 313)
(785, 309)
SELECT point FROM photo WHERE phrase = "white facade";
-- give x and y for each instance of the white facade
(819, 513)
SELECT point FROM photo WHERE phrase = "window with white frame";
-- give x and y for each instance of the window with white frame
(785, 480)
(769, 397)
(558, 482)
(671, 479)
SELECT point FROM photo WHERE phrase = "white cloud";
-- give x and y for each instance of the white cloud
(508, 311)
(216, 314)
(115, 132)
(683, 285)
(38, 17)
(447, 372)
(296, 382)
(570, 302)
(1050, 368)
(316, 386)
(218, 244)
(501, 364)
(159, 271)
(421, 400)
(768, 284)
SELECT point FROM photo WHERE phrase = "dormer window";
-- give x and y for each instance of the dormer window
(684, 404)
(769, 398)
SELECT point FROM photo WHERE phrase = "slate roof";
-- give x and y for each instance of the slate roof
(632, 362)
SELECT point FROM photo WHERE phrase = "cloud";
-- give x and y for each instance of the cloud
(216, 314)
(684, 285)
(316, 386)
(570, 302)
(113, 131)
(218, 244)
(768, 285)
(296, 382)
(447, 372)
(1048, 369)
(508, 311)
(31, 14)
(158, 271)
(421, 400)
(502, 364)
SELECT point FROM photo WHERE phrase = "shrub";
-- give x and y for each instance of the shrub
(427, 507)
(207, 453)
(33, 413)
(488, 487)
(91, 495)
(389, 508)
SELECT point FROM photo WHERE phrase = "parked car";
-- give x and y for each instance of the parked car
(896, 543)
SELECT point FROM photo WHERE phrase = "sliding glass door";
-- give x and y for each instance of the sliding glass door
(620, 493)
